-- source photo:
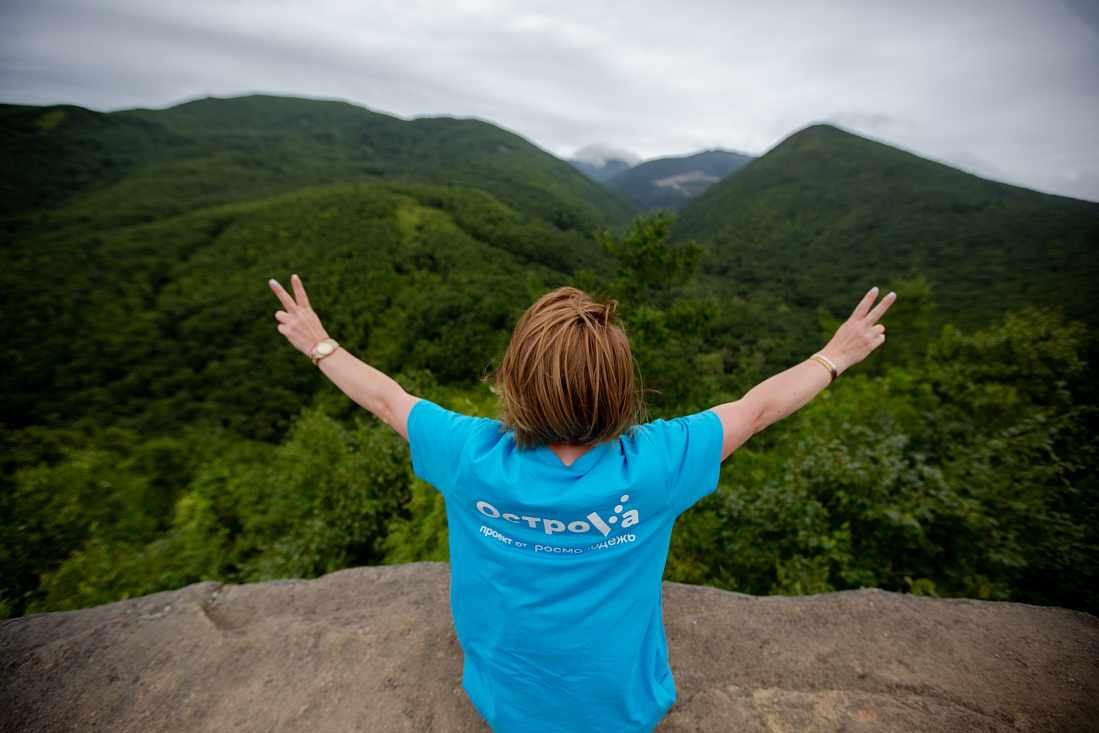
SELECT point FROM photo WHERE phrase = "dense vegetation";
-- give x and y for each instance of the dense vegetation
(79, 169)
(825, 212)
(158, 431)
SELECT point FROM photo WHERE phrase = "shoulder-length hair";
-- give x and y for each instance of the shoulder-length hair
(568, 375)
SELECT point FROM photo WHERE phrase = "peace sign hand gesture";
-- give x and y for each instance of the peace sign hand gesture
(299, 323)
(861, 333)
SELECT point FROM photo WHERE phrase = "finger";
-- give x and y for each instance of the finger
(882, 307)
(864, 305)
(282, 316)
(299, 292)
(284, 297)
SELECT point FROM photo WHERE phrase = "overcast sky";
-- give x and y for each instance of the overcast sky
(1007, 89)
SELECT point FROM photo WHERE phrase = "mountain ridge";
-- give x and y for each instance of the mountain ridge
(213, 151)
(608, 169)
(672, 183)
(831, 212)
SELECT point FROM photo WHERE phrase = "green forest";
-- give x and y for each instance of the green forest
(158, 431)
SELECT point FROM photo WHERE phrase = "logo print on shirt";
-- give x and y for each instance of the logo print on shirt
(628, 517)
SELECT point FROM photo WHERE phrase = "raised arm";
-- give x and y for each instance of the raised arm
(361, 382)
(789, 391)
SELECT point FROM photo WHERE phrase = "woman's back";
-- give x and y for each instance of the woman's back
(556, 570)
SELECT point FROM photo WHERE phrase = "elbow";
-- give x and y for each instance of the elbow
(763, 417)
(393, 409)
(385, 413)
(754, 411)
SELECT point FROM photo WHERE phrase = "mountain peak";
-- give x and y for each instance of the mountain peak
(830, 196)
(599, 156)
(673, 182)
(602, 162)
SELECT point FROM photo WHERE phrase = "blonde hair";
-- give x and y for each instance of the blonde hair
(568, 375)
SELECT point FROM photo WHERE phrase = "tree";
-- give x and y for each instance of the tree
(644, 263)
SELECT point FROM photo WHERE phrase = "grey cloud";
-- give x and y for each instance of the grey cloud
(1008, 86)
(598, 155)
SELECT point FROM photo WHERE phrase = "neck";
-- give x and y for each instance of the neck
(568, 453)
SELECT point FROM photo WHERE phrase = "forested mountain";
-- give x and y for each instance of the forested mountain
(137, 325)
(826, 213)
(161, 324)
(106, 170)
(116, 210)
(672, 183)
(156, 429)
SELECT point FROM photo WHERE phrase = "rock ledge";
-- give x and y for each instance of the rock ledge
(373, 649)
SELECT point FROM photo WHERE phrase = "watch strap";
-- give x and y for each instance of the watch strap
(319, 351)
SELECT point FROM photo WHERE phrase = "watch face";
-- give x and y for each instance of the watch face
(324, 348)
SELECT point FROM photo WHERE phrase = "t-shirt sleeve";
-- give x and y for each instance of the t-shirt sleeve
(435, 438)
(692, 450)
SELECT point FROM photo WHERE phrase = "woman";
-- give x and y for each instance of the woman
(560, 514)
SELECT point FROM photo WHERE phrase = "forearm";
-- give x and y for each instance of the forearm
(785, 393)
(371, 389)
(770, 401)
(789, 391)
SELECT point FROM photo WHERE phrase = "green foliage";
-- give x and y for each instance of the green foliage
(423, 536)
(59, 507)
(114, 487)
(101, 171)
(153, 426)
(322, 504)
(160, 325)
(826, 215)
(319, 502)
(664, 322)
(643, 260)
(973, 475)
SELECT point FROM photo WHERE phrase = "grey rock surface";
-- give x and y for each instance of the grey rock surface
(373, 649)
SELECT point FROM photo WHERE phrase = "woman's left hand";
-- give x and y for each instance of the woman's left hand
(861, 333)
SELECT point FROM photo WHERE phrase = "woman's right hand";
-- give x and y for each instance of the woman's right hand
(299, 323)
(860, 334)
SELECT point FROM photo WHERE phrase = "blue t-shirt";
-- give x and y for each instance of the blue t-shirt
(556, 570)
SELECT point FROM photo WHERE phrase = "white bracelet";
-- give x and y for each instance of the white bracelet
(828, 365)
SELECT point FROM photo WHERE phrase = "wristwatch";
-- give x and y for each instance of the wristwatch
(321, 349)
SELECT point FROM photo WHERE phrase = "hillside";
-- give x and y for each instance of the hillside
(375, 649)
(160, 325)
(106, 170)
(826, 214)
(156, 430)
(123, 214)
(672, 183)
